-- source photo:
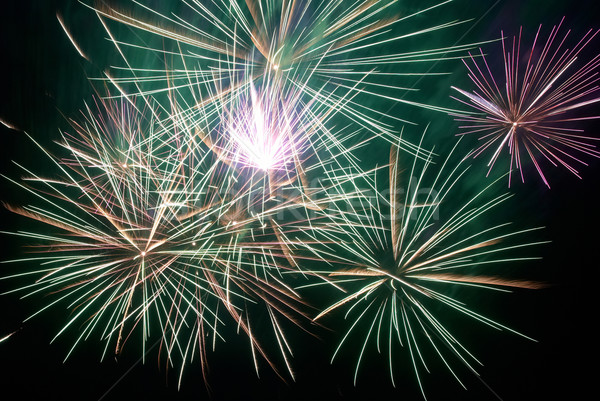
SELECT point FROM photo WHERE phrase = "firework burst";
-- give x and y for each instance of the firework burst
(334, 53)
(406, 249)
(532, 112)
(145, 234)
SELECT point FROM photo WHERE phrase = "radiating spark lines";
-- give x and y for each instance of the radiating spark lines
(138, 237)
(341, 50)
(404, 247)
(532, 112)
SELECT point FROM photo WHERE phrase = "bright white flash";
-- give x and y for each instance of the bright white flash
(260, 133)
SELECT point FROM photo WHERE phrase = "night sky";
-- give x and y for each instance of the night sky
(44, 81)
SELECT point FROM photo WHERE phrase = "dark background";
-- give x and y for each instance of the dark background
(43, 78)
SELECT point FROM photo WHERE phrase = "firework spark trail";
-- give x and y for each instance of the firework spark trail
(268, 133)
(145, 230)
(532, 113)
(402, 251)
(272, 138)
(341, 49)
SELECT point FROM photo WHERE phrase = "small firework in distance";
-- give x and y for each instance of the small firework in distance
(532, 112)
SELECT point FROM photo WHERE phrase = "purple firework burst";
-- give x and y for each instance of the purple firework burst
(532, 113)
